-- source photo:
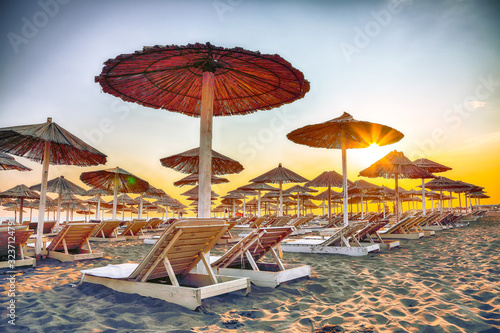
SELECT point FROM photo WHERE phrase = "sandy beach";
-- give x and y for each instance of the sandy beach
(445, 283)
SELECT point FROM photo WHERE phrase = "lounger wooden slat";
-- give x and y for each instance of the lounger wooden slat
(171, 263)
(133, 229)
(71, 243)
(106, 231)
(16, 236)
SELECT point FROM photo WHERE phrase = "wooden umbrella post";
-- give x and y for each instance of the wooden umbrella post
(98, 206)
(344, 177)
(281, 198)
(258, 203)
(397, 197)
(21, 204)
(205, 167)
(58, 221)
(329, 204)
(424, 212)
(43, 195)
(140, 206)
(115, 195)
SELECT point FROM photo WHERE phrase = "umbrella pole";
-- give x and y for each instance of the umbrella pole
(460, 201)
(205, 166)
(281, 198)
(397, 197)
(244, 207)
(43, 195)
(59, 202)
(329, 203)
(21, 210)
(258, 202)
(97, 211)
(344, 178)
(362, 210)
(423, 198)
(441, 201)
(298, 204)
(140, 208)
(115, 196)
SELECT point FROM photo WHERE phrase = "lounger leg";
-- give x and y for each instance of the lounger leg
(171, 273)
(277, 259)
(251, 261)
(210, 272)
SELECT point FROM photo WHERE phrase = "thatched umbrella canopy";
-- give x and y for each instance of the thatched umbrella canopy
(151, 193)
(61, 186)
(328, 179)
(361, 187)
(279, 176)
(189, 162)
(8, 162)
(243, 193)
(115, 180)
(299, 190)
(194, 193)
(22, 192)
(259, 187)
(203, 80)
(395, 165)
(194, 178)
(98, 192)
(48, 143)
(344, 133)
(432, 167)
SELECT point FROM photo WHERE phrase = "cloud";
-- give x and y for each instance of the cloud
(478, 144)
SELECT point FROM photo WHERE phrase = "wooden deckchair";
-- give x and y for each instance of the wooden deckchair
(14, 238)
(228, 237)
(242, 259)
(153, 224)
(133, 229)
(164, 272)
(72, 243)
(370, 233)
(106, 231)
(47, 226)
(337, 243)
(397, 231)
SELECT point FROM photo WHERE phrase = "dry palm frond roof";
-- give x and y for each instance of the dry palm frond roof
(194, 178)
(8, 162)
(20, 191)
(188, 162)
(61, 185)
(327, 178)
(279, 174)
(170, 77)
(395, 163)
(431, 166)
(127, 182)
(65, 149)
(357, 134)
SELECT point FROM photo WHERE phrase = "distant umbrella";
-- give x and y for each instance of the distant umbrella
(432, 167)
(115, 180)
(243, 193)
(48, 143)
(60, 185)
(300, 190)
(259, 187)
(395, 165)
(22, 192)
(98, 192)
(8, 162)
(328, 179)
(345, 133)
(362, 186)
(194, 193)
(279, 176)
(189, 161)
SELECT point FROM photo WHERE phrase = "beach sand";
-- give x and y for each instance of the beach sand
(446, 283)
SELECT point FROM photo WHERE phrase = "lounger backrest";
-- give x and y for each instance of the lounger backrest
(182, 243)
(17, 236)
(133, 227)
(106, 227)
(370, 229)
(73, 234)
(258, 222)
(258, 243)
(345, 231)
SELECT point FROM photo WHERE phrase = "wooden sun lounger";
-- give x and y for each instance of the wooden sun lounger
(133, 229)
(228, 237)
(370, 233)
(72, 243)
(164, 272)
(242, 259)
(153, 224)
(337, 243)
(106, 231)
(397, 231)
(13, 241)
(47, 226)
(255, 224)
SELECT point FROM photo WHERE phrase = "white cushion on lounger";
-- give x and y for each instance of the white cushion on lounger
(120, 271)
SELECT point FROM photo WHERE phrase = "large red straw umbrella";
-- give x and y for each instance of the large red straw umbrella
(8, 162)
(48, 143)
(279, 176)
(328, 179)
(432, 167)
(395, 165)
(61, 186)
(203, 80)
(115, 180)
(345, 133)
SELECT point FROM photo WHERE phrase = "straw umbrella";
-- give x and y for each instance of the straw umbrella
(329, 179)
(97, 192)
(395, 165)
(432, 167)
(259, 187)
(22, 192)
(279, 176)
(345, 133)
(8, 162)
(115, 180)
(243, 193)
(61, 186)
(362, 186)
(48, 143)
(300, 190)
(203, 80)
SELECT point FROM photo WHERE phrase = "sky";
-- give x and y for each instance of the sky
(430, 69)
